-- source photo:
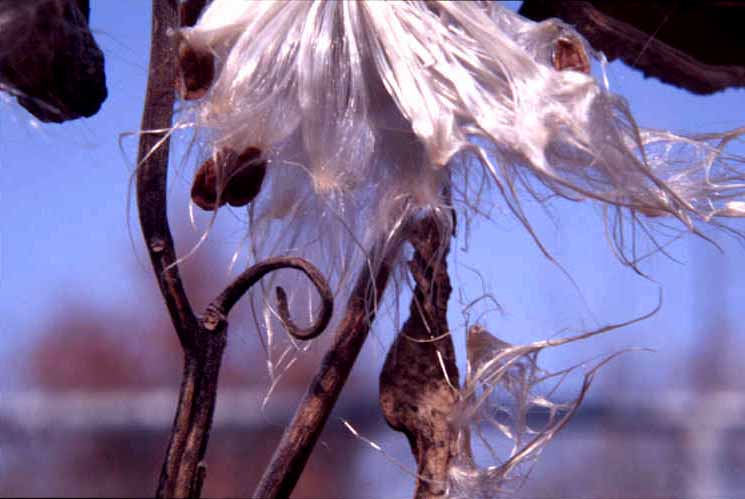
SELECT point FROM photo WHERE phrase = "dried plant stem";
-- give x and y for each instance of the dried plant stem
(200, 368)
(299, 438)
(419, 380)
(203, 340)
(152, 171)
(183, 470)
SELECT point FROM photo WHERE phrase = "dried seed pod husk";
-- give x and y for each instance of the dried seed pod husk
(196, 71)
(570, 55)
(237, 178)
(49, 59)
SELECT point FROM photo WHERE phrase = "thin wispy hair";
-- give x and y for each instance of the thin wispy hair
(508, 394)
(366, 110)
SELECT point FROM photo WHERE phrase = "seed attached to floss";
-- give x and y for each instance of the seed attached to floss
(570, 55)
(197, 70)
(240, 179)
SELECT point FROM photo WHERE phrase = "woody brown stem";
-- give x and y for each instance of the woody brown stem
(183, 471)
(299, 438)
(152, 170)
(203, 340)
(181, 474)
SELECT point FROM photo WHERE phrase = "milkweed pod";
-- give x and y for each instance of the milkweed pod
(233, 178)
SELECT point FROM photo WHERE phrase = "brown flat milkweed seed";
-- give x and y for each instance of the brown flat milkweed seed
(244, 181)
(570, 55)
(240, 178)
(196, 71)
(203, 188)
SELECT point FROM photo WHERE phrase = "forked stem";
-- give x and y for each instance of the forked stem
(203, 340)
(300, 436)
(183, 470)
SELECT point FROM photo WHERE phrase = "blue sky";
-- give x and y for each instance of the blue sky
(65, 235)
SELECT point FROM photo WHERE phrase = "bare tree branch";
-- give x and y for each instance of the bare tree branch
(299, 438)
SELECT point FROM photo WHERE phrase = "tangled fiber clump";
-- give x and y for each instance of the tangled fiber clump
(365, 111)
(339, 122)
(508, 394)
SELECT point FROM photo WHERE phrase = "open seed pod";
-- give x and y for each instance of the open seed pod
(233, 178)
(49, 59)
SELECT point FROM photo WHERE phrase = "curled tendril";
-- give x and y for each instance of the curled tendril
(230, 296)
(302, 333)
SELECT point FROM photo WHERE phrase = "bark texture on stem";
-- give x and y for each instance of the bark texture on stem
(184, 471)
(419, 381)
